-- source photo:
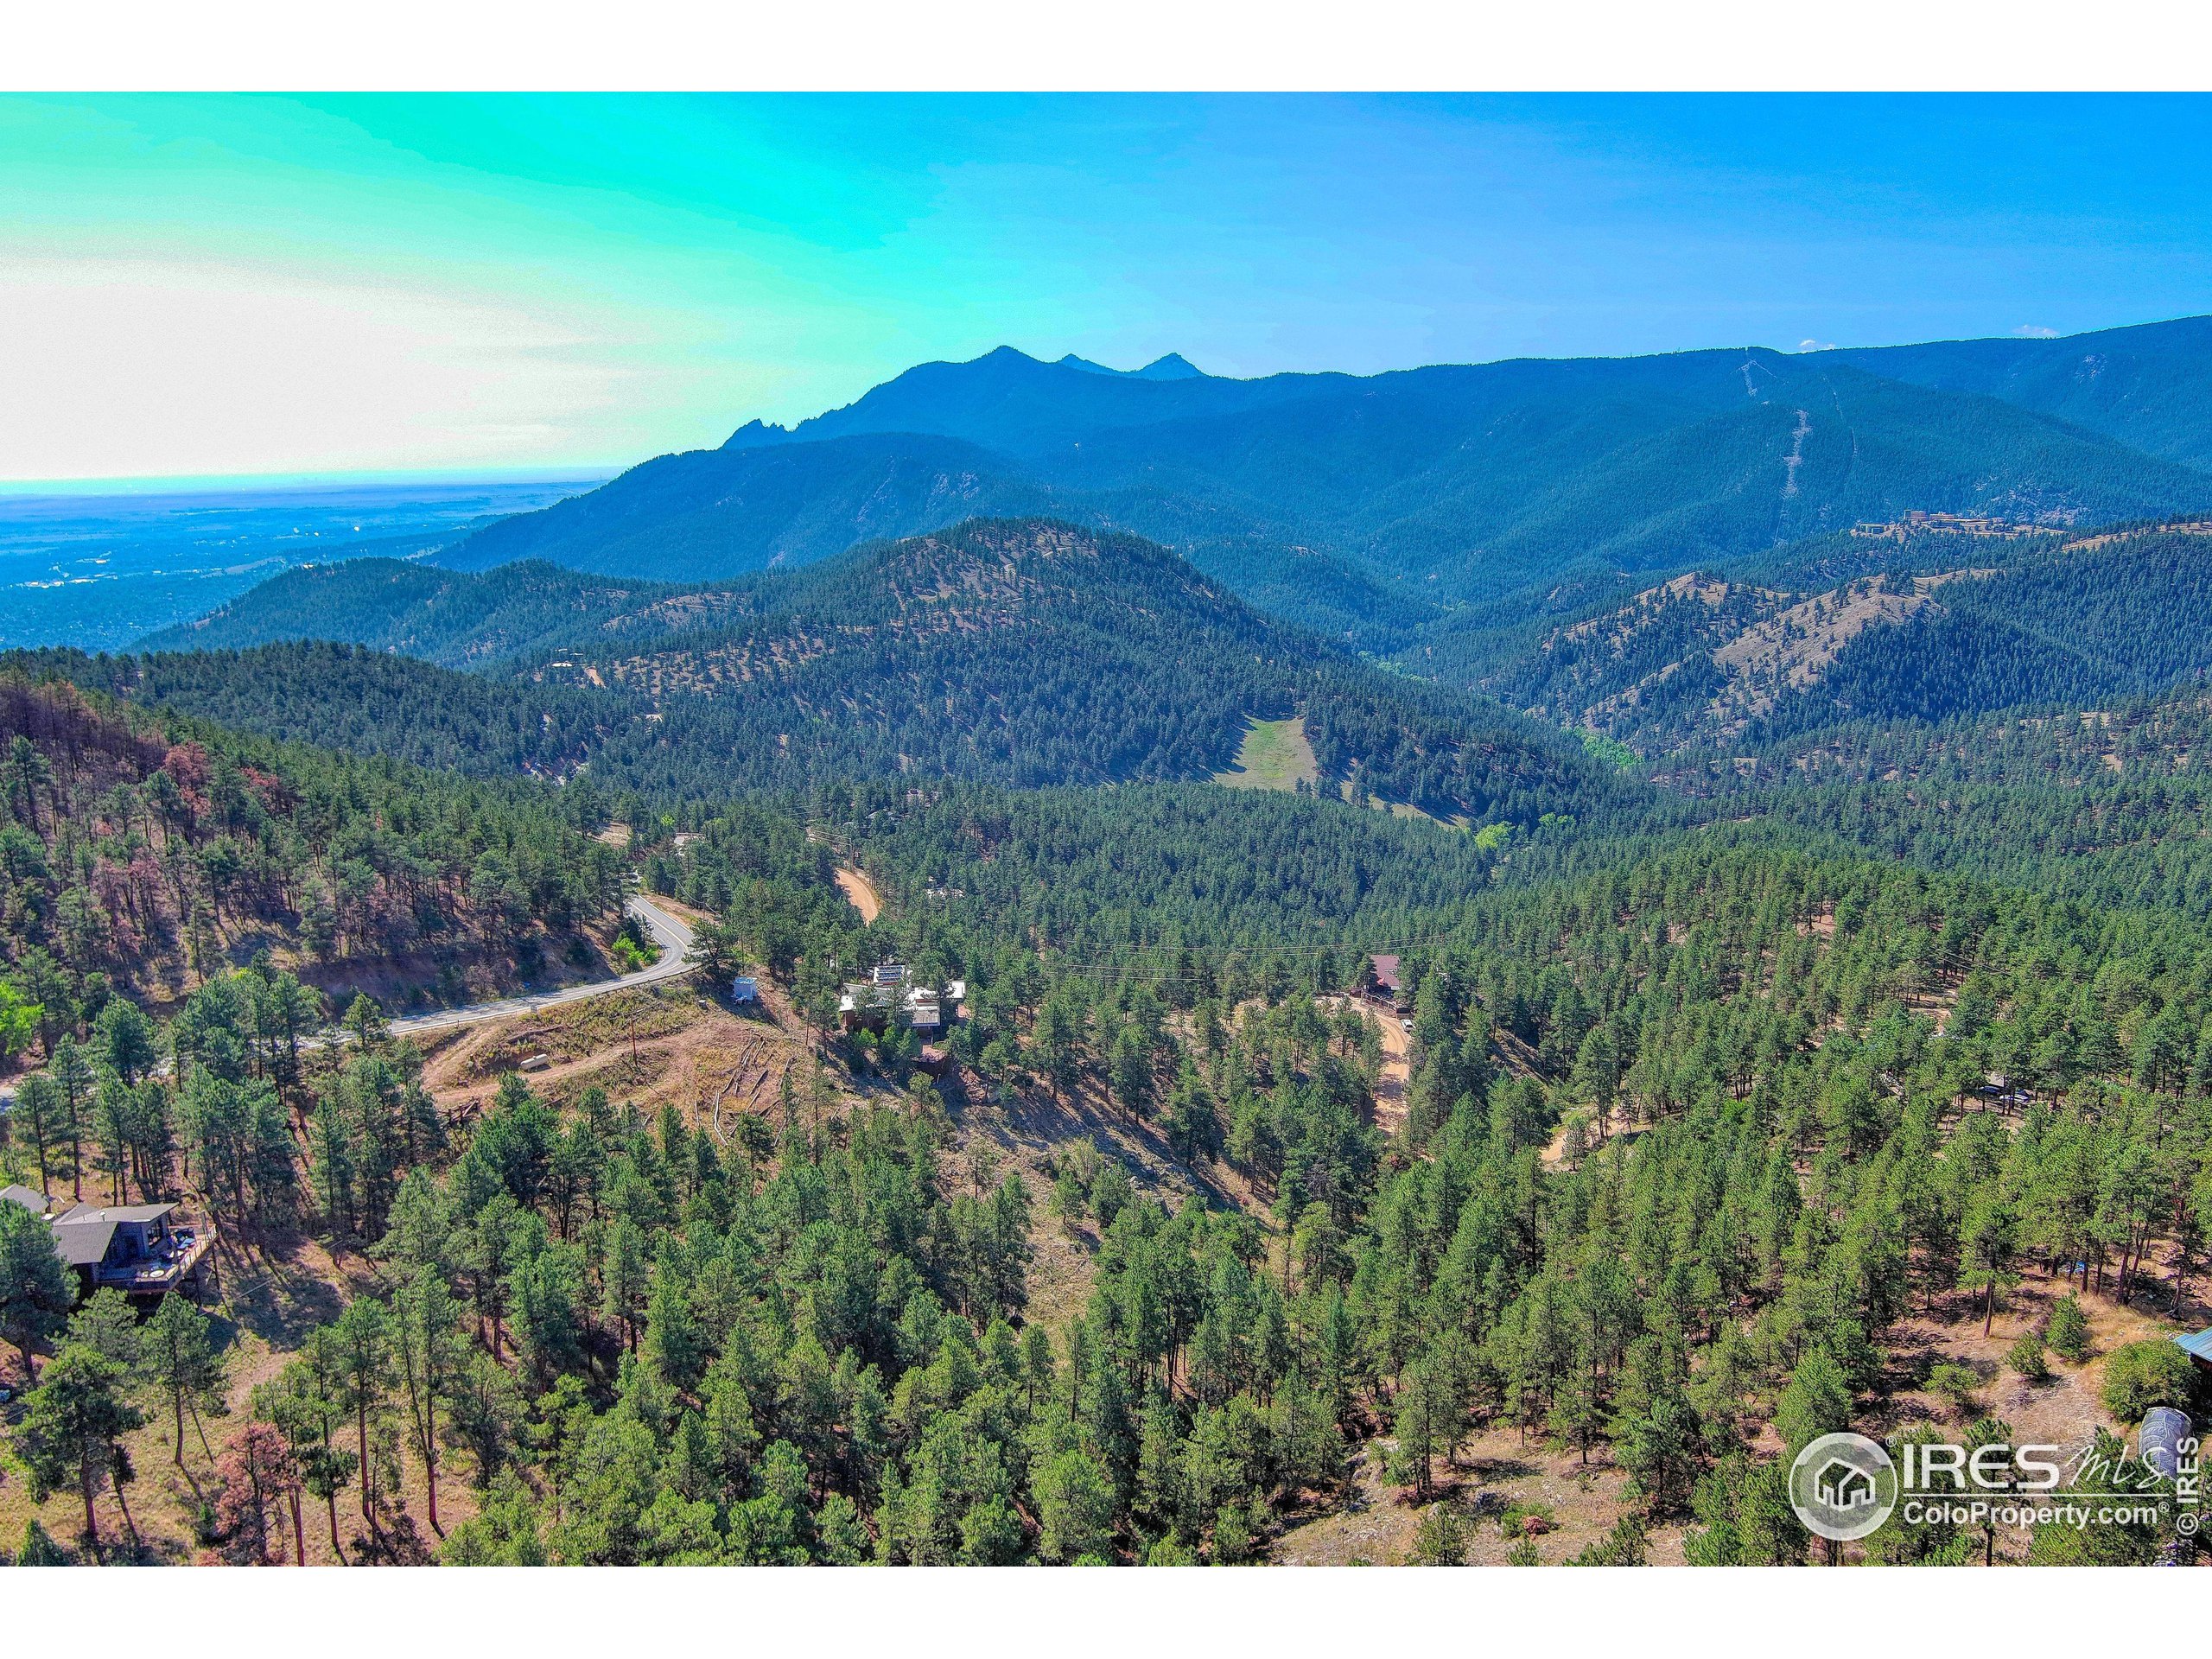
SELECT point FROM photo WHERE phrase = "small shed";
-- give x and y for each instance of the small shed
(744, 988)
(30, 1198)
(2198, 1346)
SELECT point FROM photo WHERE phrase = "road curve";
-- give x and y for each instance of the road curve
(673, 937)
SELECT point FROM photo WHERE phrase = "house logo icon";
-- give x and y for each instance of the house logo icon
(1843, 1486)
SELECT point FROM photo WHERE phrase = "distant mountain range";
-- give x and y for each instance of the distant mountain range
(1712, 554)
(1375, 508)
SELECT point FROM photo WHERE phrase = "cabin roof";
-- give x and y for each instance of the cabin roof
(83, 1243)
(84, 1212)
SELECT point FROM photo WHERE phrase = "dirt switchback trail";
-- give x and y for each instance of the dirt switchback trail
(862, 892)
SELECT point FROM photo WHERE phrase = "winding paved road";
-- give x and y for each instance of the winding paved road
(673, 937)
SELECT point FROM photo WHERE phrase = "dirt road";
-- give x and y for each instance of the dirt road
(1397, 1076)
(861, 891)
(1397, 1063)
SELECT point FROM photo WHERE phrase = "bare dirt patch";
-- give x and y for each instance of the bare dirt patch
(687, 1047)
(1374, 1523)
(860, 892)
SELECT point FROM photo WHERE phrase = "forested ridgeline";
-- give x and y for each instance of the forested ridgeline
(2144, 385)
(2097, 619)
(1924, 624)
(148, 852)
(1027, 651)
(715, 514)
(363, 701)
(1024, 652)
(1030, 653)
(446, 617)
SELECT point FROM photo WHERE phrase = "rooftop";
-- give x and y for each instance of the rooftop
(83, 1243)
(113, 1212)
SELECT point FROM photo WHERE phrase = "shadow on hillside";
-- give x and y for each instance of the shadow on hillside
(271, 1288)
(1040, 1122)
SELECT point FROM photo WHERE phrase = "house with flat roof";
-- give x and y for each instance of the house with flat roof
(889, 995)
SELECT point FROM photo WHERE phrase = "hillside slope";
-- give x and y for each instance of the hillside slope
(1957, 626)
(461, 619)
(1016, 651)
(1033, 651)
(2148, 386)
(160, 853)
(711, 514)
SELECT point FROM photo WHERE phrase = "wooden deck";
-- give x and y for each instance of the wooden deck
(168, 1271)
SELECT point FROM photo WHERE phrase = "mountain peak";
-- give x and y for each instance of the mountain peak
(755, 434)
(1173, 366)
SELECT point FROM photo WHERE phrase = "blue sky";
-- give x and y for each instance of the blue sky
(198, 286)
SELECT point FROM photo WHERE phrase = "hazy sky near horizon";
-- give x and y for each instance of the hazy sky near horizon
(199, 286)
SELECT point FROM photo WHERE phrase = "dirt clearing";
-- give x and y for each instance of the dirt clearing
(860, 892)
